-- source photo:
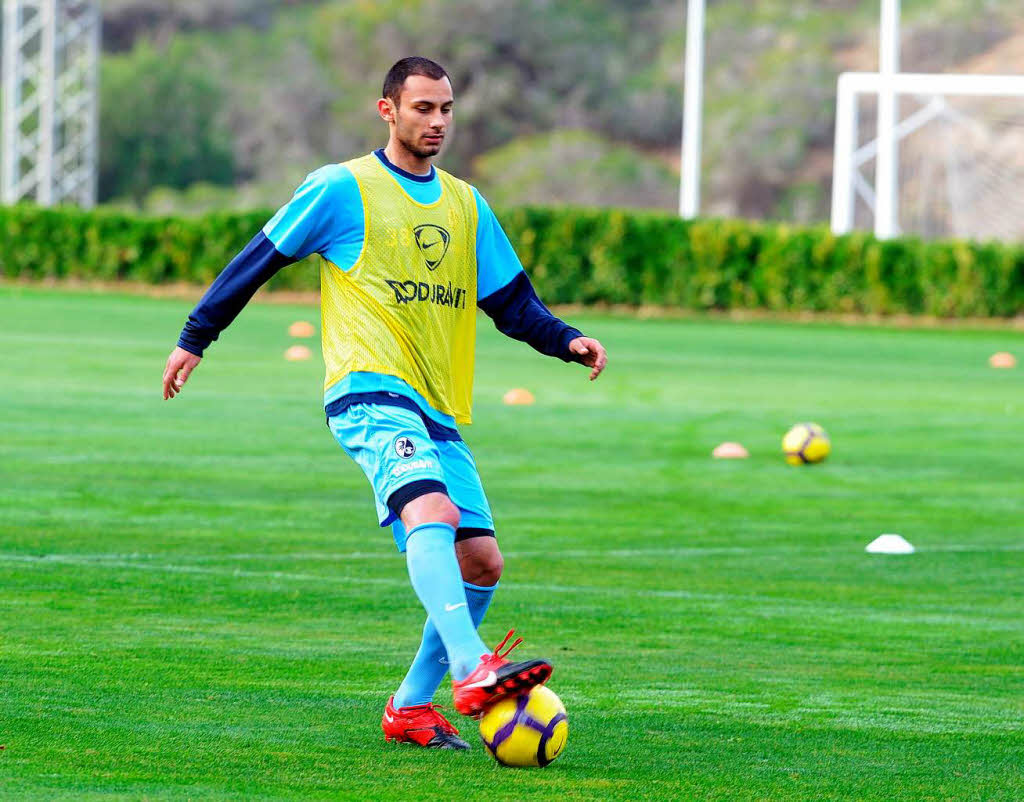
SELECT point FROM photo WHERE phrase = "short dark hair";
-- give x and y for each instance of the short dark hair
(413, 65)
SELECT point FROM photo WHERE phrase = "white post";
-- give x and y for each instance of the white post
(12, 92)
(887, 166)
(689, 178)
(92, 157)
(843, 194)
(47, 102)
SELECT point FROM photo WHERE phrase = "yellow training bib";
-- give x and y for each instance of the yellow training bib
(407, 308)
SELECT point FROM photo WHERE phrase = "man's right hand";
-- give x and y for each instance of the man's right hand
(180, 365)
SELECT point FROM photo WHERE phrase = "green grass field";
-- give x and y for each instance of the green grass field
(195, 601)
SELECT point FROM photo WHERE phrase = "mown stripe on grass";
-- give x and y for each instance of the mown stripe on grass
(788, 606)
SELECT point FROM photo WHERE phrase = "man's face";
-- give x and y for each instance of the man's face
(423, 115)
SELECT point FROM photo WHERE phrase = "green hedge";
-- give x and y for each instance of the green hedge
(575, 256)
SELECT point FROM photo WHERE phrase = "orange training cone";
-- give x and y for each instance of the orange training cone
(301, 328)
(518, 396)
(297, 353)
(730, 451)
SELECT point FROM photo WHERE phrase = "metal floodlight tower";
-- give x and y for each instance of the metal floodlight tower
(50, 101)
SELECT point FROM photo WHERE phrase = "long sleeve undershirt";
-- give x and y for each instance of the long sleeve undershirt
(326, 216)
(516, 310)
(518, 313)
(232, 290)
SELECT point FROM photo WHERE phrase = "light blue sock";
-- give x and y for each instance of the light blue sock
(437, 580)
(431, 662)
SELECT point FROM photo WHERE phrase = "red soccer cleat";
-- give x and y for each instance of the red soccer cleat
(419, 724)
(495, 678)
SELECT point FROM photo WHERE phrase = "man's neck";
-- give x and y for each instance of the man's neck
(403, 159)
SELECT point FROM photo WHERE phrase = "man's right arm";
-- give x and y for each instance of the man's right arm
(305, 225)
(302, 226)
(221, 303)
(232, 290)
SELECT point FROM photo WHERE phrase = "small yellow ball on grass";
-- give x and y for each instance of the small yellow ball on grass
(806, 443)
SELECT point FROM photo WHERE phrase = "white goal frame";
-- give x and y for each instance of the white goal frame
(929, 90)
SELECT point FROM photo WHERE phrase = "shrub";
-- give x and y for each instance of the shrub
(574, 256)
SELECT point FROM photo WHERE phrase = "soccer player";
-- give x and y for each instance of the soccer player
(408, 255)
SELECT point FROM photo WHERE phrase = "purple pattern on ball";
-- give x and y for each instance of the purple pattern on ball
(508, 728)
(545, 736)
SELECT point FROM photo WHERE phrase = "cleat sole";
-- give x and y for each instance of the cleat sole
(516, 684)
(518, 678)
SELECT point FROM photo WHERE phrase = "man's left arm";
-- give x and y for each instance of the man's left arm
(507, 296)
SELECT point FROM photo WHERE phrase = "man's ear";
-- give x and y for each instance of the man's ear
(386, 109)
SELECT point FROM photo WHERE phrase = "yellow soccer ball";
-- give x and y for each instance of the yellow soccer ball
(806, 442)
(526, 730)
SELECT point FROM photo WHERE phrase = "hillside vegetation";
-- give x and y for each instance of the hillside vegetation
(244, 97)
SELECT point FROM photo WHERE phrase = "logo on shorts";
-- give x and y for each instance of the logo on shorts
(404, 447)
(413, 465)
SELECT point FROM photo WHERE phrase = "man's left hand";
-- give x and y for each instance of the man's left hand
(591, 353)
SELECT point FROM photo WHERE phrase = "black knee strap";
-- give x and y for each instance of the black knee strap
(412, 491)
(467, 532)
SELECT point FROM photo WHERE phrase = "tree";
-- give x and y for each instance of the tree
(518, 68)
(574, 167)
(160, 123)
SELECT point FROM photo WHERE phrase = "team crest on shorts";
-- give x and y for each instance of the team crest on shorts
(404, 447)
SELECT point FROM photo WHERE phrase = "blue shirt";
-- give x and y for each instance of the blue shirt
(325, 216)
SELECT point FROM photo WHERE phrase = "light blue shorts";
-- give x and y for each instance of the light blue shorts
(392, 446)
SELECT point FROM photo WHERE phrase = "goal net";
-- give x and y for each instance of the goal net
(960, 155)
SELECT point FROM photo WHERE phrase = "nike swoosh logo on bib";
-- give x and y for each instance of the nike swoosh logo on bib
(449, 607)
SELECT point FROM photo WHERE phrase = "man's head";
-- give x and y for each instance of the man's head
(417, 105)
